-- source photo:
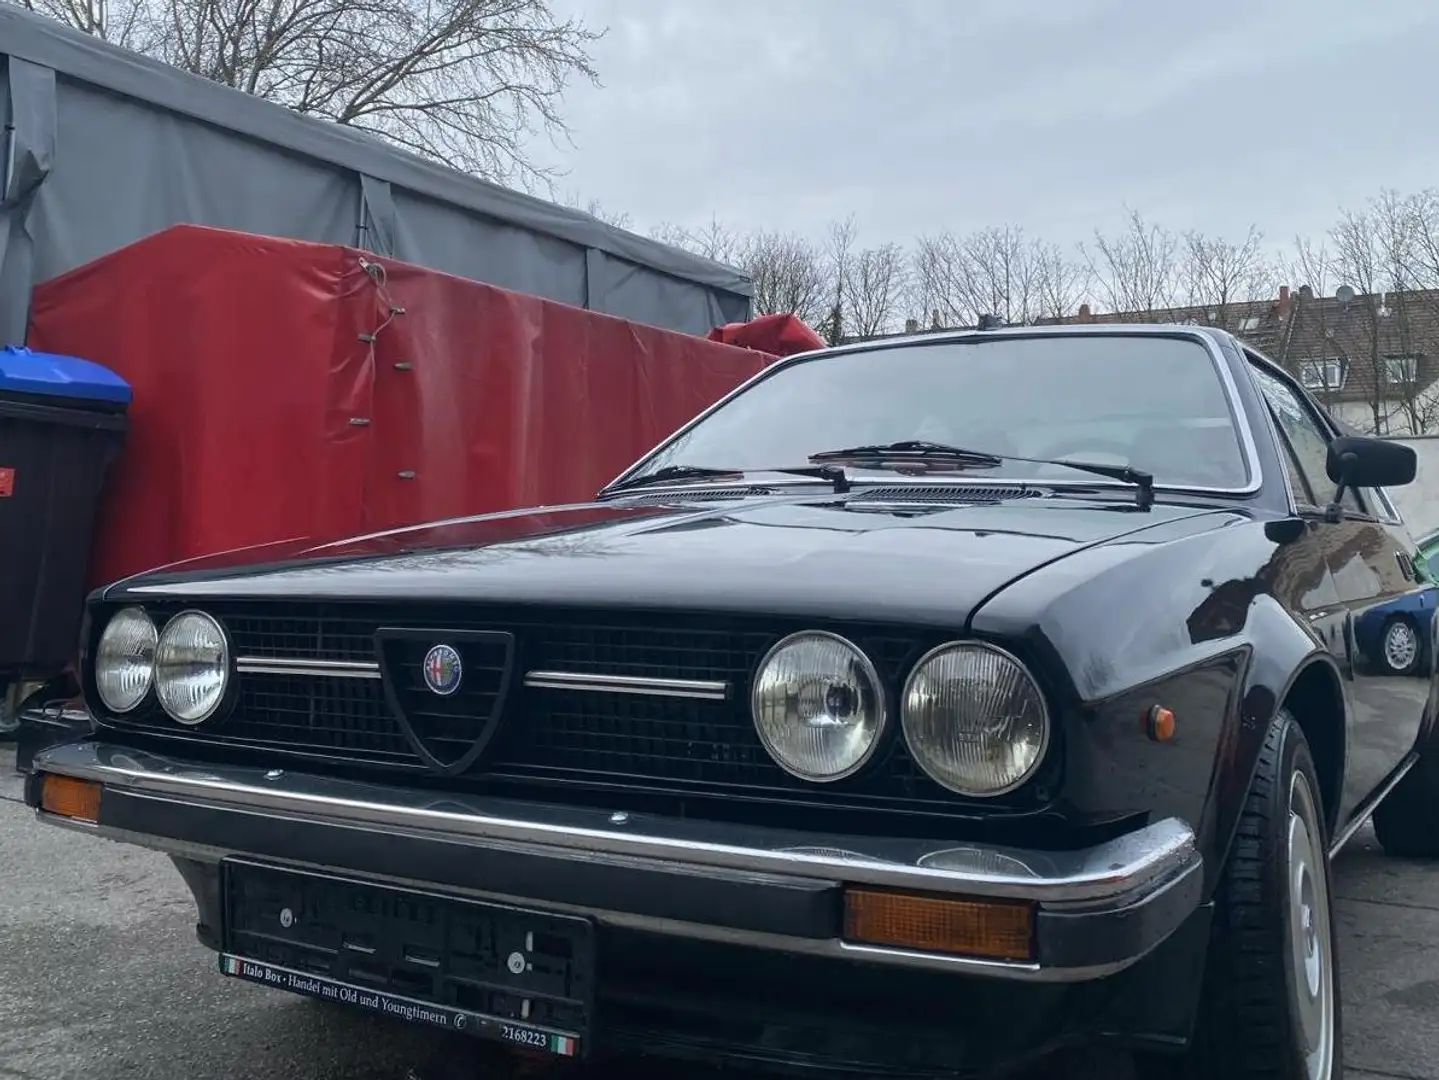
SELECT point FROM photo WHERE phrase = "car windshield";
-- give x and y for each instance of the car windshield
(1151, 401)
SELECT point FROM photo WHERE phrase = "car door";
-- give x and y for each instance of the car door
(1372, 567)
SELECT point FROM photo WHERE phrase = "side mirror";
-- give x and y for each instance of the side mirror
(1359, 461)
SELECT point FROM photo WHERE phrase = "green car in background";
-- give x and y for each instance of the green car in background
(1428, 561)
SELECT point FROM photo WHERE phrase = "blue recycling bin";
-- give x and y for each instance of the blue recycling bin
(62, 423)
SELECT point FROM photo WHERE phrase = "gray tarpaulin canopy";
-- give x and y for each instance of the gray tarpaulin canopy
(103, 147)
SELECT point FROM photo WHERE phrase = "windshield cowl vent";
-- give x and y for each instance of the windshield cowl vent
(946, 493)
(693, 495)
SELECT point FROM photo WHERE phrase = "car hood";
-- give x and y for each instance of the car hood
(810, 556)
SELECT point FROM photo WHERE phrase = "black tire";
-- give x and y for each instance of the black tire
(1406, 823)
(1382, 659)
(1256, 1003)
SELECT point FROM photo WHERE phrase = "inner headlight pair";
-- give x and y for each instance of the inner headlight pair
(972, 716)
(188, 664)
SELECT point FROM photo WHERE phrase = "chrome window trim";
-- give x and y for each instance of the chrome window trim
(1211, 346)
(1281, 446)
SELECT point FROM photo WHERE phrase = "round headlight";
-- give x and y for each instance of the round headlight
(974, 719)
(125, 660)
(818, 706)
(192, 667)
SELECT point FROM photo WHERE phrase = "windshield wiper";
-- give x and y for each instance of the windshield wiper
(912, 451)
(924, 455)
(675, 473)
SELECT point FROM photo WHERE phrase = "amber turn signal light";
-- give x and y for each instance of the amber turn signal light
(986, 929)
(66, 797)
(1159, 724)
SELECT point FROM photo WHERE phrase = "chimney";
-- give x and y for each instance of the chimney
(1282, 308)
(1306, 293)
(911, 326)
(1085, 315)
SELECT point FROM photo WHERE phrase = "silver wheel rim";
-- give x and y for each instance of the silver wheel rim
(1401, 645)
(1309, 935)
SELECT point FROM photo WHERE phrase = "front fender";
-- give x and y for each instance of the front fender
(1192, 622)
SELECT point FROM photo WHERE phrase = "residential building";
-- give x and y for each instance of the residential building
(1372, 359)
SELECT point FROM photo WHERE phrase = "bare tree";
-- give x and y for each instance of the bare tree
(996, 271)
(1060, 282)
(1362, 263)
(129, 23)
(715, 240)
(988, 272)
(789, 275)
(1217, 274)
(1310, 264)
(620, 219)
(1135, 270)
(875, 285)
(466, 82)
(839, 256)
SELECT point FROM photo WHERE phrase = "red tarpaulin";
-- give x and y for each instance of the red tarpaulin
(777, 335)
(290, 390)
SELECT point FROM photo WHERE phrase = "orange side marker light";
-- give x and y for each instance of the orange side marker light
(990, 929)
(1159, 724)
(67, 797)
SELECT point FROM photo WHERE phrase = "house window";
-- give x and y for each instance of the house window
(1322, 374)
(1249, 322)
(1401, 369)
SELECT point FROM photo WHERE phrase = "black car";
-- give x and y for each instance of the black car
(924, 707)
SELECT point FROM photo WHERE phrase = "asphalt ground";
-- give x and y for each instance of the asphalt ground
(101, 979)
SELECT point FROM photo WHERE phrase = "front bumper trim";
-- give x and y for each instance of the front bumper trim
(1099, 909)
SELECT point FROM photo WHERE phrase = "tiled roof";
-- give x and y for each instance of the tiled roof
(1362, 333)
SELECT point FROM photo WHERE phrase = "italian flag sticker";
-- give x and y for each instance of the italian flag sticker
(559, 1044)
(229, 965)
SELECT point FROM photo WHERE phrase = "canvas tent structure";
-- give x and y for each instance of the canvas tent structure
(102, 147)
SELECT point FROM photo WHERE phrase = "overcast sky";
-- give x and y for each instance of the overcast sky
(918, 115)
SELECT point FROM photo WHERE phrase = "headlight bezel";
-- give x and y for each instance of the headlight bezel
(225, 698)
(870, 671)
(1047, 739)
(148, 697)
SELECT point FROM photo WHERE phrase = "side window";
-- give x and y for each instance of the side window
(1382, 506)
(1307, 442)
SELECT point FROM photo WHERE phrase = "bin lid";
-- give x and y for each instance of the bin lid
(51, 375)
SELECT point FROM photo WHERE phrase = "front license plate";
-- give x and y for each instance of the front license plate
(487, 970)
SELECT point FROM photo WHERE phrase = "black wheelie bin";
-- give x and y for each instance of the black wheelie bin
(62, 423)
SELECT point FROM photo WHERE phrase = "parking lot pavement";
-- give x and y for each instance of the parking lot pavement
(101, 977)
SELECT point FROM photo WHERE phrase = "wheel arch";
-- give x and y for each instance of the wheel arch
(1290, 669)
(1315, 699)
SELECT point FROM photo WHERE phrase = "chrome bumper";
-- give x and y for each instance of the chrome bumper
(1099, 910)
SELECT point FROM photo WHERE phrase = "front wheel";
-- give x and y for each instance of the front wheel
(1271, 1005)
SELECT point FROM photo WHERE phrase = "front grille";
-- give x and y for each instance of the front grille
(546, 736)
(451, 730)
(340, 717)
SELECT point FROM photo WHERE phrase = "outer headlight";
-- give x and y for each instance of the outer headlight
(974, 719)
(192, 667)
(125, 660)
(818, 706)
